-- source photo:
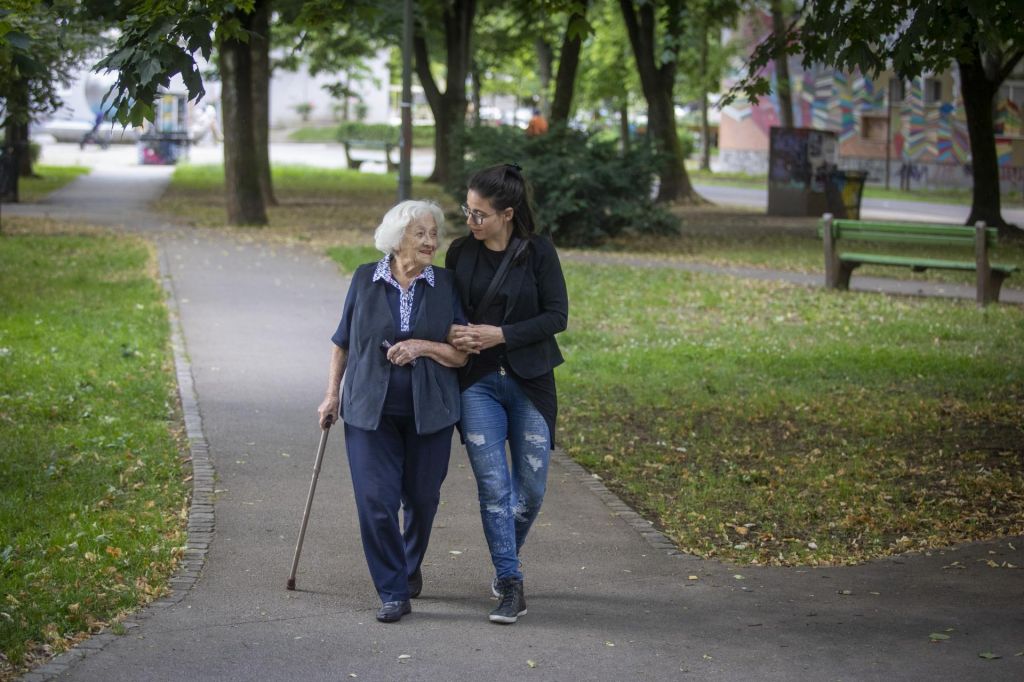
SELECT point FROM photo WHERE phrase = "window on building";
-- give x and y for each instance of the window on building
(932, 90)
(872, 128)
(896, 90)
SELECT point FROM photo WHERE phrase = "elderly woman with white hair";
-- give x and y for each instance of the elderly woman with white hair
(401, 396)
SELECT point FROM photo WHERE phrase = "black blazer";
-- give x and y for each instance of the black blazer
(536, 302)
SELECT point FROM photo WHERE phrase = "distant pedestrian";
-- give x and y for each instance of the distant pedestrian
(538, 125)
(94, 136)
(513, 291)
(401, 397)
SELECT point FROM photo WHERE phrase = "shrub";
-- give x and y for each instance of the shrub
(584, 189)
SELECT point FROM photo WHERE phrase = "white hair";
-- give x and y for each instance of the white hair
(389, 233)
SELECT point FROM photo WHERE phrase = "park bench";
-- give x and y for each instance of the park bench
(840, 263)
(370, 145)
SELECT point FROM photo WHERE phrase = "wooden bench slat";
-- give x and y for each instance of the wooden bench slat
(915, 239)
(924, 263)
(957, 234)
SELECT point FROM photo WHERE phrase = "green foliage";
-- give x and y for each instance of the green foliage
(909, 36)
(92, 483)
(351, 257)
(585, 190)
(41, 43)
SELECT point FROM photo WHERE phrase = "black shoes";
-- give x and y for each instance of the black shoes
(512, 602)
(392, 611)
(415, 584)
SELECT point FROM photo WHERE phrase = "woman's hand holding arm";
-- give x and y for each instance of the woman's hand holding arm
(328, 410)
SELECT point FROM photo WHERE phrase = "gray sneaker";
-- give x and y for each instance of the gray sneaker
(512, 602)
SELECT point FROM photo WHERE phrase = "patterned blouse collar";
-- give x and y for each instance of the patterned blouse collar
(383, 272)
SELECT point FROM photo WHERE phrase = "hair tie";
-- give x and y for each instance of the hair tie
(514, 165)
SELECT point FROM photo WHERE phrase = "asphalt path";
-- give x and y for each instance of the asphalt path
(609, 598)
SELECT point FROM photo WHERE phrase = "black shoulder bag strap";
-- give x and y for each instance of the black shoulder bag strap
(515, 248)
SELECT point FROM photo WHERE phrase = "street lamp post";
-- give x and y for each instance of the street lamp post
(405, 139)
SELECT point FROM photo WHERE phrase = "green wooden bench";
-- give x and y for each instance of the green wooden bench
(840, 263)
(371, 145)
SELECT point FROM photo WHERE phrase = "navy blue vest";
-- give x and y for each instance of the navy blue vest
(435, 388)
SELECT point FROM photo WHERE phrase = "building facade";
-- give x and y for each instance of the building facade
(914, 132)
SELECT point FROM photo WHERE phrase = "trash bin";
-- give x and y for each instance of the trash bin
(156, 148)
(843, 192)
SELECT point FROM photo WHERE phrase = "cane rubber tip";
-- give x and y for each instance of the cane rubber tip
(291, 583)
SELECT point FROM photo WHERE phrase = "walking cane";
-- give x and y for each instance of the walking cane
(309, 504)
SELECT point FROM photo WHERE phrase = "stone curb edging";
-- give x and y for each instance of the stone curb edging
(201, 511)
(655, 538)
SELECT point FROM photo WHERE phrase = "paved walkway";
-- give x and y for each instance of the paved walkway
(609, 598)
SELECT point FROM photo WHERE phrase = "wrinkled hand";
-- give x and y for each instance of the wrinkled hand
(475, 337)
(328, 411)
(406, 352)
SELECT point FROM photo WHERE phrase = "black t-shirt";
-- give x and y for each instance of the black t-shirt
(540, 390)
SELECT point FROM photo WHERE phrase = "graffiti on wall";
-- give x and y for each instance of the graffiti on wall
(925, 133)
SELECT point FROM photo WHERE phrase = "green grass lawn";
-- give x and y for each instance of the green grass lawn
(344, 205)
(49, 178)
(756, 421)
(94, 499)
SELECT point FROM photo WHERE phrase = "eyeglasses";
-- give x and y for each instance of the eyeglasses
(477, 216)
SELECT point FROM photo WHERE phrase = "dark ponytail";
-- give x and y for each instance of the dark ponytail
(505, 187)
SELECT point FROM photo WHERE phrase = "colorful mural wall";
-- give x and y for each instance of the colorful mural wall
(927, 138)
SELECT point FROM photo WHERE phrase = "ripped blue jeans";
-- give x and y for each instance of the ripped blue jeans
(494, 410)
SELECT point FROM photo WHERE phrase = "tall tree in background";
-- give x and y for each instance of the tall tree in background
(656, 52)
(246, 203)
(608, 80)
(984, 38)
(704, 60)
(576, 30)
(783, 83)
(259, 47)
(161, 39)
(448, 107)
(41, 43)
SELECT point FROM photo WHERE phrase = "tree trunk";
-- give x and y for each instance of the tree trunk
(545, 60)
(241, 177)
(25, 169)
(705, 129)
(568, 63)
(16, 152)
(658, 83)
(624, 123)
(449, 108)
(475, 88)
(259, 45)
(977, 90)
(9, 162)
(783, 87)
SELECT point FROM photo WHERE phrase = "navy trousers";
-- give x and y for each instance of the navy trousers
(391, 467)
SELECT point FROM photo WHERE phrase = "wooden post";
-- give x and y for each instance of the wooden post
(831, 258)
(984, 275)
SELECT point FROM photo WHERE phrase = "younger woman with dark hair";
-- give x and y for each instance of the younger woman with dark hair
(513, 291)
